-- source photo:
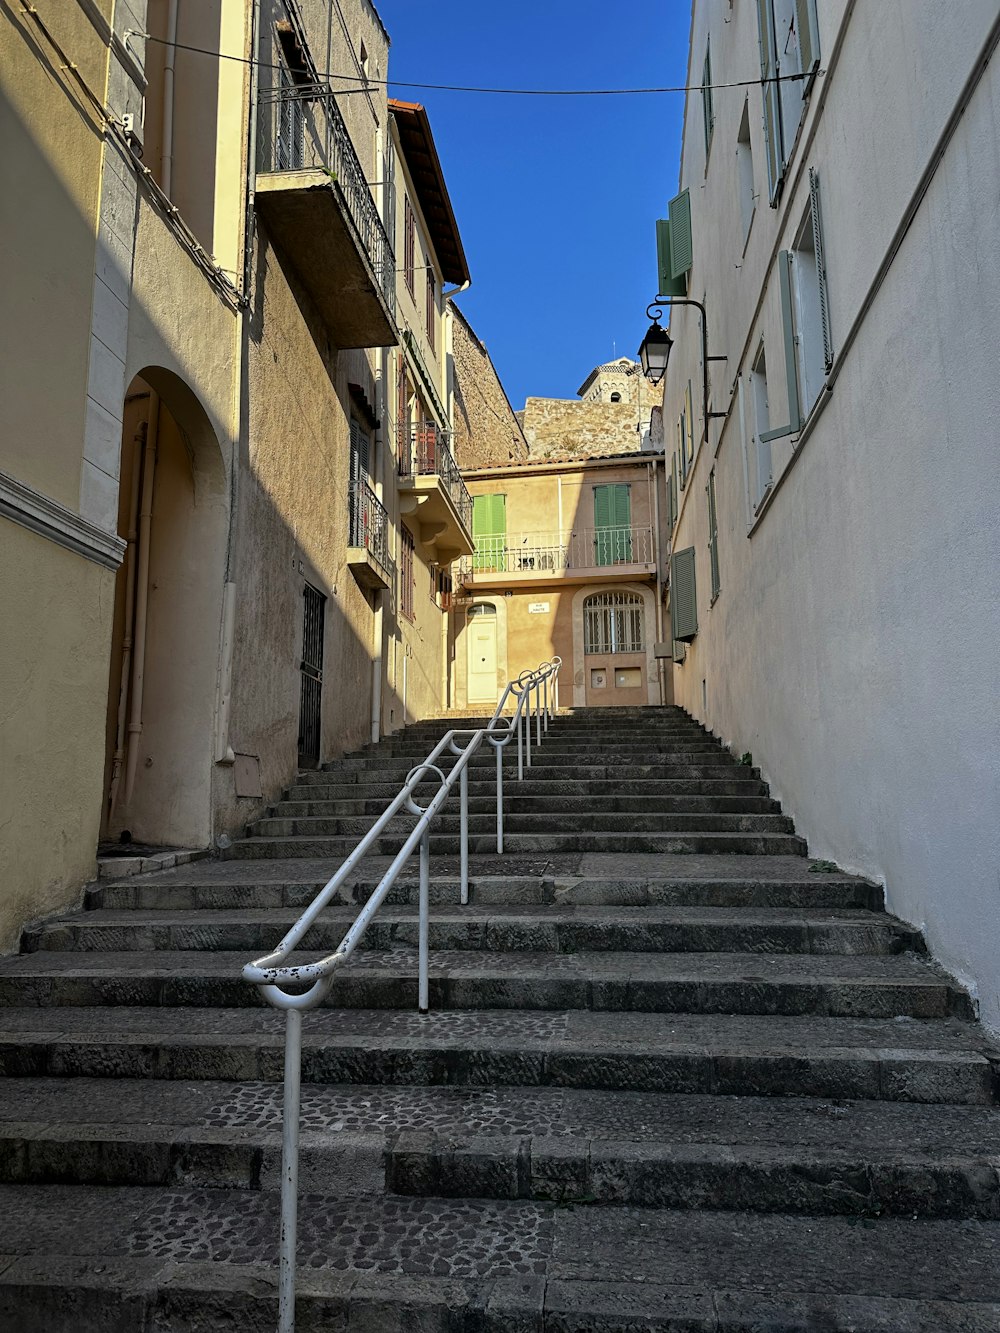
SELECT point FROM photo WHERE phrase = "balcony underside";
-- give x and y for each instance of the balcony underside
(616, 573)
(367, 570)
(431, 514)
(312, 228)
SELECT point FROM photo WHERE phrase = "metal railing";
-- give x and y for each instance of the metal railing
(557, 552)
(300, 128)
(369, 524)
(424, 451)
(536, 698)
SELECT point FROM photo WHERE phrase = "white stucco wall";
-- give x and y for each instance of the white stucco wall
(853, 647)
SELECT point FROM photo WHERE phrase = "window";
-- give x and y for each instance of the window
(616, 397)
(674, 246)
(612, 525)
(744, 169)
(756, 424)
(613, 622)
(359, 479)
(406, 573)
(409, 246)
(810, 305)
(489, 533)
(431, 305)
(689, 430)
(788, 33)
(706, 99)
(443, 587)
(713, 535)
(683, 599)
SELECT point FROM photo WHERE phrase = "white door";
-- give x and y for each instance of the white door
(482, 636)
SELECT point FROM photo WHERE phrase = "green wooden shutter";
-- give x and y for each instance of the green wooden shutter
(489, 530)
(689, 420)
(683, 597)
(818, 246)
(706, 97)
(791, 361)
(681, 248)
(666, 283)
(713, 535)
(682, 449)
(772, 101)
(612, 524)
(807, 26)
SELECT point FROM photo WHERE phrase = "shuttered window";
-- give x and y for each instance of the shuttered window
(689, 428)
(406, 573)
(666, 283)
(794, 422)
(683, 597)
(713, 535)
(788, 33)
(489, 533)
(819, 250)
(706, 99)
(681, 244)
(772, 102)
(409, 246)
(612, 524)
(807, 23)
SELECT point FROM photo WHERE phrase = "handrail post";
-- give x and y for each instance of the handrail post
(464, 806)
(290, 1170)
(545, 707)
(527, 727)
(499, 750)
(423, 983)
(538, 712)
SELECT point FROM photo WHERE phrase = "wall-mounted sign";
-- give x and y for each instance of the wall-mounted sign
(537, 608)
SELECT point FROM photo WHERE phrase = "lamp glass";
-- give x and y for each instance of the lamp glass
(654, 352)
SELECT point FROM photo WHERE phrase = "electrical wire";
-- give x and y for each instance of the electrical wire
(368, 84)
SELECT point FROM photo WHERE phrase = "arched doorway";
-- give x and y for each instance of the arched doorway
(173, 513)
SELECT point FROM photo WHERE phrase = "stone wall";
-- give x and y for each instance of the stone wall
(555, 427)
(487, 433)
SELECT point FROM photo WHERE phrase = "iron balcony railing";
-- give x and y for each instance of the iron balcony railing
(369, 524)
(424, 451)
(559, 552)
(301, 129)
(535, 698)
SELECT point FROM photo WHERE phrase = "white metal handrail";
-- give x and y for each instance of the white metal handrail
(536, 695)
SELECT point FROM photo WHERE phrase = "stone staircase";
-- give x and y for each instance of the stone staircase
(675, 1077)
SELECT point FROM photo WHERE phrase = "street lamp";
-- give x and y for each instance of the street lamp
(654, 352)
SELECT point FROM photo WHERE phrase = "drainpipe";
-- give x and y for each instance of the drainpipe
(659, 574)
(133, 516)
(142, 594)
(167, 155)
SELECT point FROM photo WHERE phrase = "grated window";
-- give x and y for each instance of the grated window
(613, 622)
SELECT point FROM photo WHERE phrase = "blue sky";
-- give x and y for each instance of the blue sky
(555, 197)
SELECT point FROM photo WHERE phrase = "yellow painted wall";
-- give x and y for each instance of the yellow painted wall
(53, 683)
(49, 191)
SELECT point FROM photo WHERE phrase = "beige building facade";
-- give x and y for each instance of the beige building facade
(228, 506)
(568, 562)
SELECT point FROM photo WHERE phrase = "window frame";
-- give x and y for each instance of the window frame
(606, 631)
(407, 589)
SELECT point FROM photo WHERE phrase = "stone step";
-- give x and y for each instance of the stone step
(181, 1260)
(560, 928)
(482, 769)
(900, 1059)
(594, 821)
(691, 983)
(567, 1145)
(246, 893)
(484, 788)
(335, 848)
(516, 803)
(544, 758)
(558, 749)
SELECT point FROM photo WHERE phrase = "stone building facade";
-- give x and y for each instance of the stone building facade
(611, 415)
(487, 430)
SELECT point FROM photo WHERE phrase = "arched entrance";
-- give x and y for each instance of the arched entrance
(173, 510)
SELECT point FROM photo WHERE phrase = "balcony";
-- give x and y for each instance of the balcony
(580, 556)
(432, 490)
(368, 553)
(313, 197)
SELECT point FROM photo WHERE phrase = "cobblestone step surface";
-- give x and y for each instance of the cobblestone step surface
(557, 927)
(197, 1259)
(683, 843)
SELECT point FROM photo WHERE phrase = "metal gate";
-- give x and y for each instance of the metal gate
(313, 604)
